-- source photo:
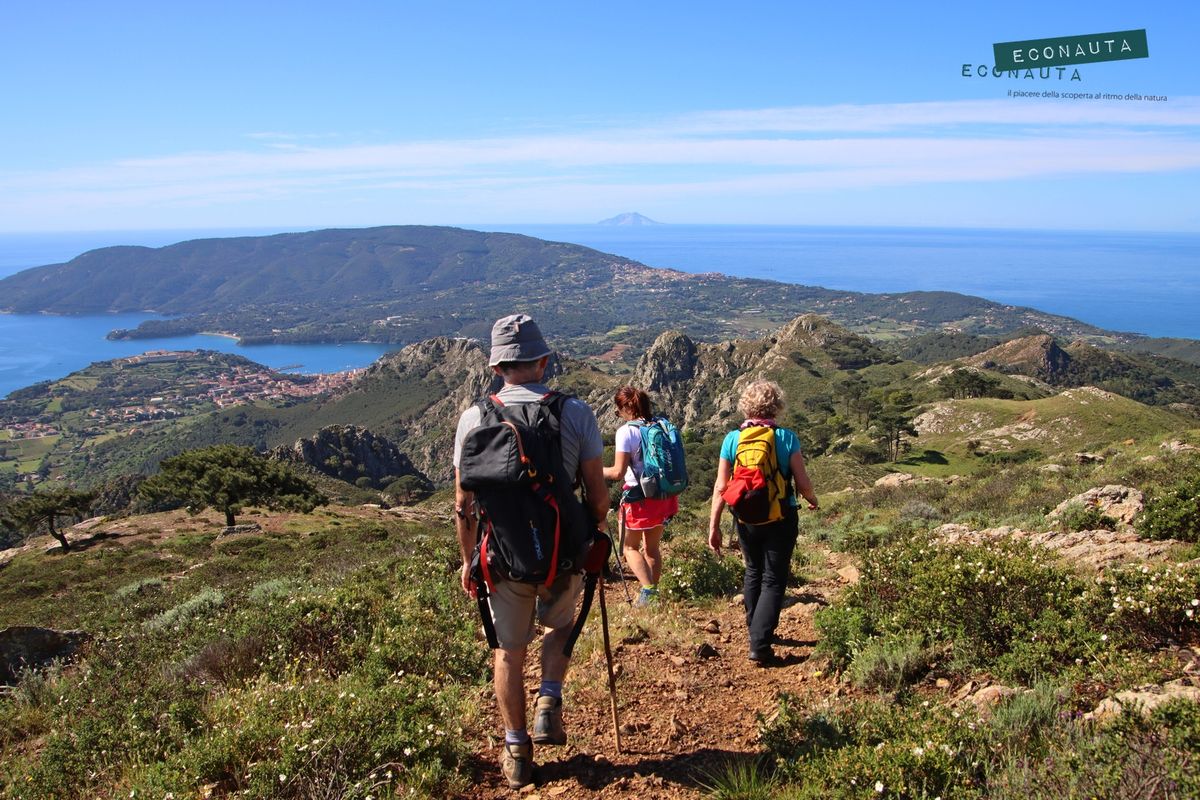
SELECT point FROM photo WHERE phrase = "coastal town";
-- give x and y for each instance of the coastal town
(127, 396)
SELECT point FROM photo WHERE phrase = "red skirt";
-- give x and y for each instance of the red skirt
(650, 512)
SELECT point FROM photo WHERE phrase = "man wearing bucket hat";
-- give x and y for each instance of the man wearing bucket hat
(520, 356)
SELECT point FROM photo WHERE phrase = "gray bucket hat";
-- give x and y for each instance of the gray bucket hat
(517, 338)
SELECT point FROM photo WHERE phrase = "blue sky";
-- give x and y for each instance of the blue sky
(136, 115)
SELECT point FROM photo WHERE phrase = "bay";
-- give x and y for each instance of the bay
(36, 347)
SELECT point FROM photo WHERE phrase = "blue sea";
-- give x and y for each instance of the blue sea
(1140, 282)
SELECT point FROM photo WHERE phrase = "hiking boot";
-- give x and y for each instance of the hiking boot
(646, 597)
(516, 763)
(763, 657)
(547, 721)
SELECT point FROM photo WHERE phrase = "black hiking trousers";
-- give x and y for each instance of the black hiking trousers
(767, 550)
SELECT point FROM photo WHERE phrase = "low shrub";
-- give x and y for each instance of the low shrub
(1085, 517)
(144, 586)
(195, 606)
(741, 780)
(890, 662)
(873, 749)
(1034, 746)
(693, 572)
(1173, 513)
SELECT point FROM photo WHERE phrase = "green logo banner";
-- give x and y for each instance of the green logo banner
(1064, 50)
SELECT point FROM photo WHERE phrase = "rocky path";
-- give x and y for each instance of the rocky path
(689, 701)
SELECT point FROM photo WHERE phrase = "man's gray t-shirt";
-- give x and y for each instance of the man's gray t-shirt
(578, 430)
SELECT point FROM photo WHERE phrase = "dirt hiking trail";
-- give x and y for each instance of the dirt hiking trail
(690, 701)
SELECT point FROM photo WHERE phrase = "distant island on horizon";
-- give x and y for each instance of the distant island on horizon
(628, 219)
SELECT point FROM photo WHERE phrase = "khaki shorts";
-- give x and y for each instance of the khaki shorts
(514, 606)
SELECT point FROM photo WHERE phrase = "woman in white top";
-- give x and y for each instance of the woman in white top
(644, 517)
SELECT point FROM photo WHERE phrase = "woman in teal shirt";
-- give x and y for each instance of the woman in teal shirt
(767, 549)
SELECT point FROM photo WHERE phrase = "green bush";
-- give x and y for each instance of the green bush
(693, 572)
(1174, 514)
(978, 600)
(195, 606)
(871, 749)
(1085, 517)
(741, 780)
(1034, 746)
(890, 662)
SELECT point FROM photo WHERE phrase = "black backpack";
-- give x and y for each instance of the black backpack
(532, 528)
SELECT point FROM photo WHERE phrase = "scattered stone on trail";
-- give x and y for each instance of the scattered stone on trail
(529, 789)
(1145, 700)
(942, 683)
(987, 698)
(738, 600)
(678, 661)
(1089, 458)
(706, 650)
(1122, 503)
(555, 791)
(1096, 549)
(28, 647)
(249, 527)
(849, 574)
(953, 480)
(713, 626)
(1057, 468)
(895, 480)
(1177, 446)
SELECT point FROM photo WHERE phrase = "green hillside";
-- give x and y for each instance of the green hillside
(1055, 427)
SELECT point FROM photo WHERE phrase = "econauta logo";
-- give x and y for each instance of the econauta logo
(1041, 73)
(1072, 50)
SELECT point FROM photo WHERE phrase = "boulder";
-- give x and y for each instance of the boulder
(1122, 503)
(1177, 446)
(27, 647)
(1145, 700)
(896, 480)
(1089, 458)
(986, 699)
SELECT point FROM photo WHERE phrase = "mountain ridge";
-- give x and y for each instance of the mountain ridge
(403, 284)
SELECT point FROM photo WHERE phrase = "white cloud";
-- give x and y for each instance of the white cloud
(737, 152)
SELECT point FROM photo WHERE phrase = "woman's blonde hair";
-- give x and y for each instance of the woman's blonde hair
(761, 400)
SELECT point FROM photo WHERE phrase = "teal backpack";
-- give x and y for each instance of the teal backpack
(664, 472)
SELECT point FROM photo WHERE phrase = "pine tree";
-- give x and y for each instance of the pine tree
(228, 478)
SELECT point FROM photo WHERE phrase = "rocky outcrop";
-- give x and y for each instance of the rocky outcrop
(1143, 701)
(27, 647)
(1122, 503)
(1038, 356)
(351, 453)
(1096, 549)
(896, 480)
(696, 384)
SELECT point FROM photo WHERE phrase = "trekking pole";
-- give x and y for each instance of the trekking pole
(621, 549)
(612, 678)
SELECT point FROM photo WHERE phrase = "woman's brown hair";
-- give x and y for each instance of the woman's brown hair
(634, 401)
